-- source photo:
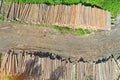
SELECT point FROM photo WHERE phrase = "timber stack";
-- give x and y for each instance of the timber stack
(37, 65)
(72, 16)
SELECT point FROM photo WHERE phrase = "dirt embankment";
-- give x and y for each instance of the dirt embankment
(93, 46)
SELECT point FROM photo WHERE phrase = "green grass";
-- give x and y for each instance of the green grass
(62, 29)
(118, 78)
(89, 77)
(72, 31)
(8, 78)
(12, 21)
(2, 18)
(17, 22)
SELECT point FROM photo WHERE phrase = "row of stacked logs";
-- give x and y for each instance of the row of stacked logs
(72, 16)
(47, 66)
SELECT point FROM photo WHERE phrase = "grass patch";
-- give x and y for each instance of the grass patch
(62, 29)
(72, 31)
(89, 77)
(81, 31)
(118, 78)
(2, 18)
(17, 22)
(8, 78)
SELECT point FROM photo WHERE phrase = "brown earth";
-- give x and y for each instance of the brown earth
(91, 47)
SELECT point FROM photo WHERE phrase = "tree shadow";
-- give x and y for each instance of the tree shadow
(32, 70)
(58, 73)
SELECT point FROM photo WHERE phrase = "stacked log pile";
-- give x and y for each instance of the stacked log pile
(48, 66)
(72, 16)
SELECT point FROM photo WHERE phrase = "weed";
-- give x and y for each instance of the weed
(118, 78)
(72, 31)
(89, 77)
(79, 31)
(62, 29)
(8, 78)
(17, 22)
(2, 18)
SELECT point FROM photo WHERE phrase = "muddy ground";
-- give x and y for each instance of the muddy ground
(92, 46)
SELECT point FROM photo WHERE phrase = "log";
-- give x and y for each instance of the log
(5, 58)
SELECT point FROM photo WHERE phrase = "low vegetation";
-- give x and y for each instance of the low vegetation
(89, 77)
(111, 5)
(79, 31)
(118, 78)
(8, 78)
(2, 18)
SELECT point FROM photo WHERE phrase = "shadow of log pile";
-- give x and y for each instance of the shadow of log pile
(37, 65)
(72, 16)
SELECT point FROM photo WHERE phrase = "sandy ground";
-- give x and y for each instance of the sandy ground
(92, 46)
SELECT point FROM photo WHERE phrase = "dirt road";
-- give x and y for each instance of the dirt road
(91, 47)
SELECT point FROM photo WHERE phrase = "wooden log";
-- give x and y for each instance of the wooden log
(82, 72)
(65, 16)
(55, 7)
(44, 16)
(5, 58)
(103, 19)
(47, 14)
(93, 18)
(16, 64)
(52, 14)
(68, 71)
(82, 13)
(73, 11)
(10, 63)
(68, 14)
(84, 16)
(43, 13)
(9, 11)
(108, 21)
(13, 65)
(25, 10)
(22, 7)
(11, 16)
(77, 19)
(87, 15)
(24, 61)
(29, 18)
(20, 59)
(94, 71)
(73, 72)
(48, 68)
(62, 16)
(98, 18)
(43, 67)
(34, 13)
(16, 10)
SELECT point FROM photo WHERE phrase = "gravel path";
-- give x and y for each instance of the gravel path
(93, 46)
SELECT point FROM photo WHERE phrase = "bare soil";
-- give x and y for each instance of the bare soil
(91, 47)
